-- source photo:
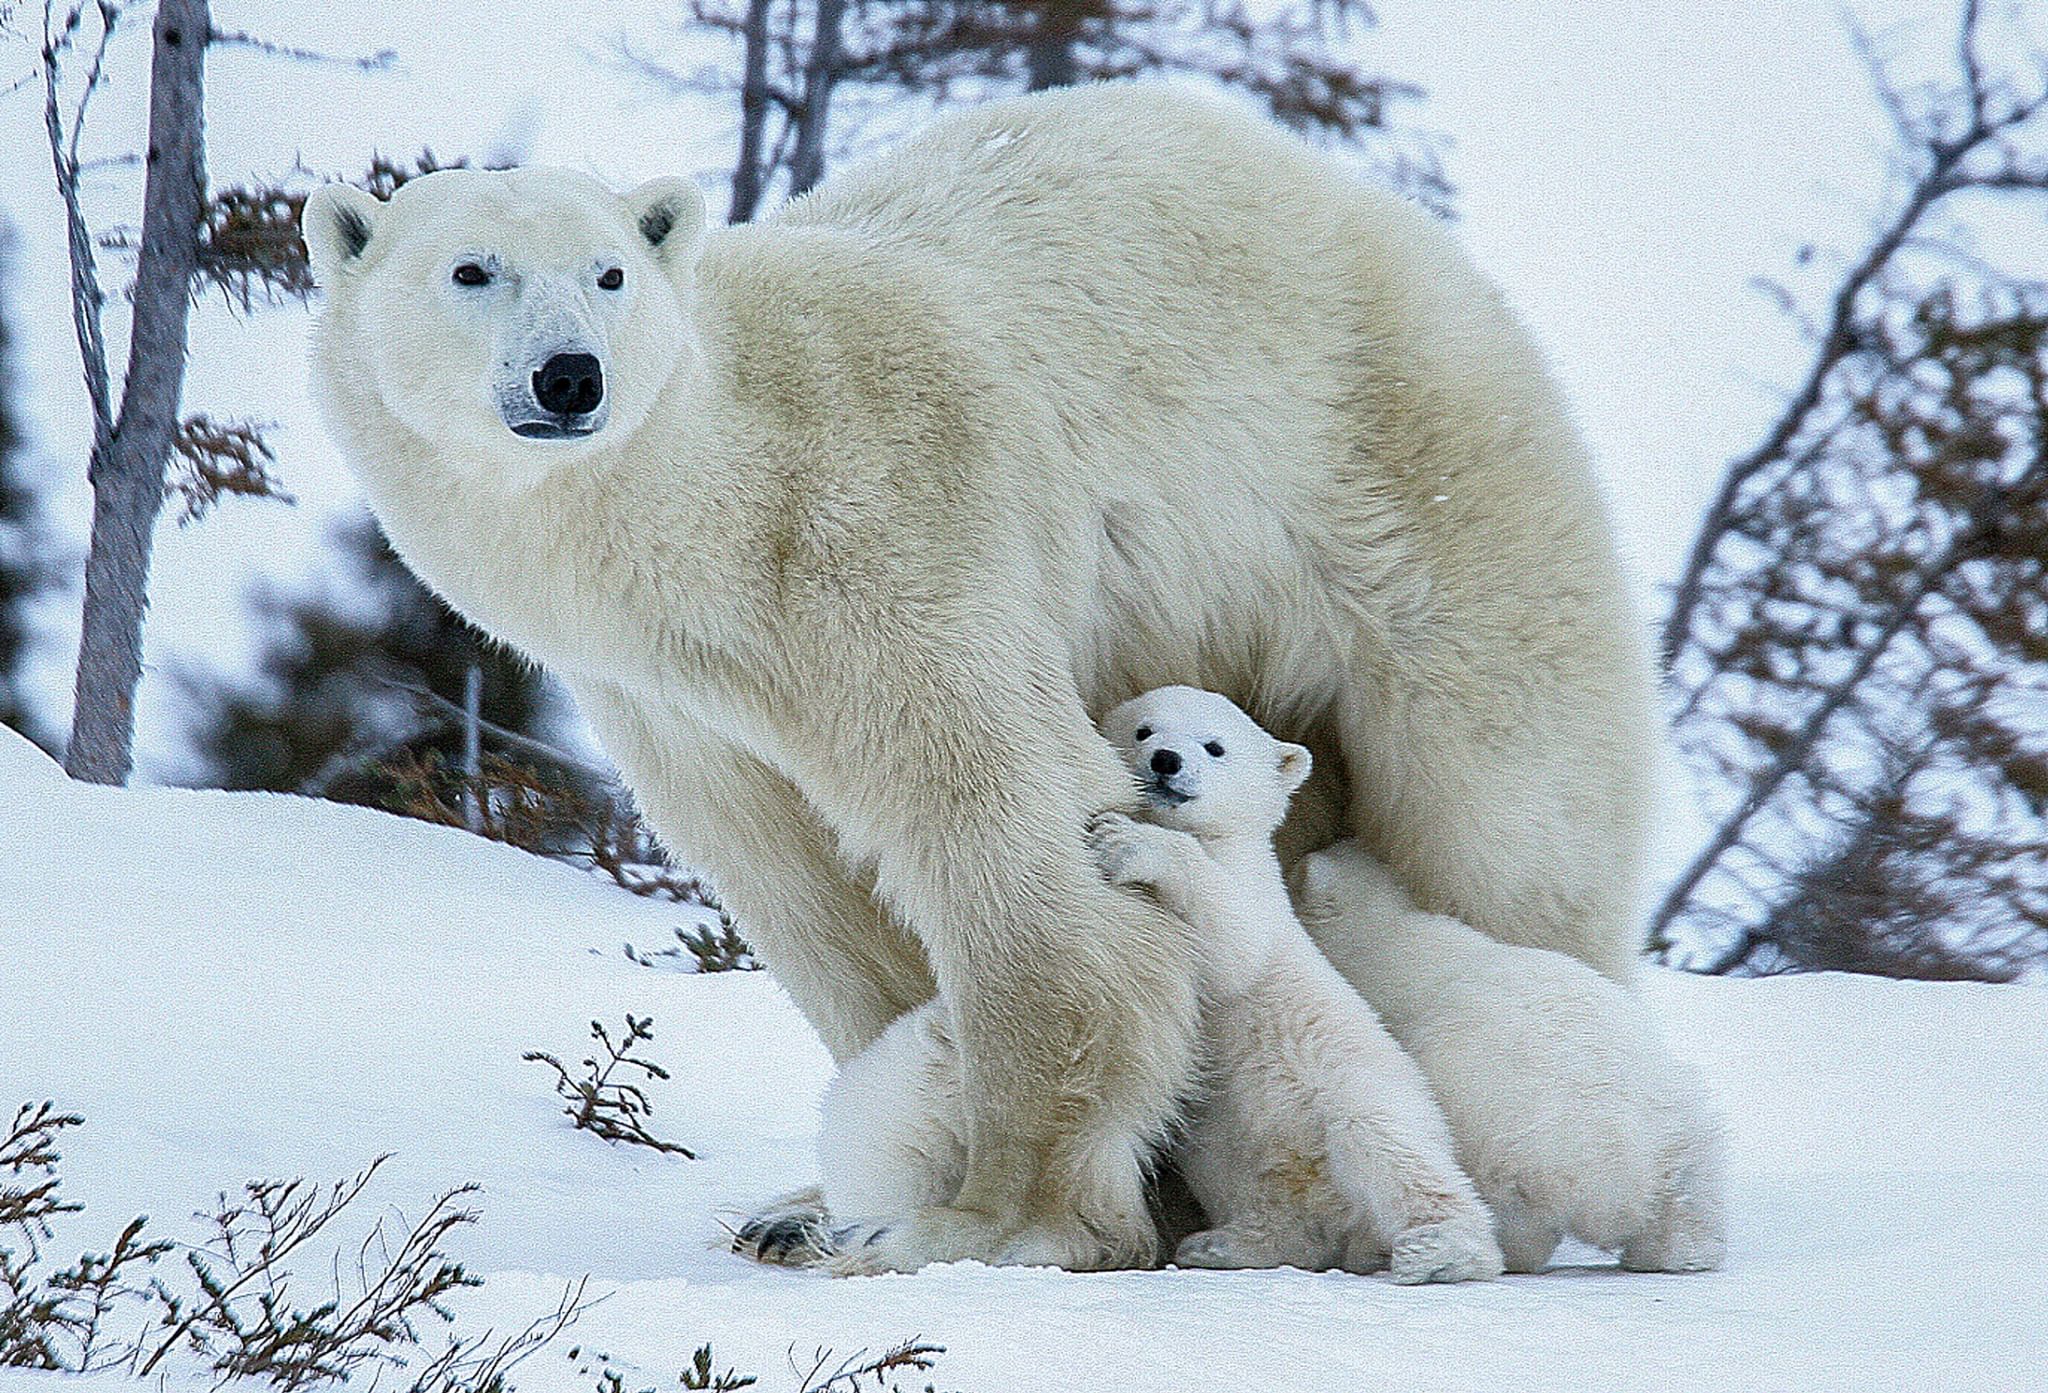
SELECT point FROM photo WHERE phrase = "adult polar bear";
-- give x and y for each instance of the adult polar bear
(841, 526)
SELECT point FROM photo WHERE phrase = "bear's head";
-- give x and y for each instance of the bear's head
(509, 318)
(1345, 883)
(1203, 765)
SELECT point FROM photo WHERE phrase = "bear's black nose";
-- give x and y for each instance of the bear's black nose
(569, 384)
(1165, 762)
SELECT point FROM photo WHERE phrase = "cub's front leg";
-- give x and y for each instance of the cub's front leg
(1230, 942)
(1137, 853)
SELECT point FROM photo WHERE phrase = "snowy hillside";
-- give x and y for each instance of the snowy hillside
(232, 985)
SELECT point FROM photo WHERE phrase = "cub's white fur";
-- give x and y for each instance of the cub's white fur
(1571, 1116)
(1314, 1141)
(888, 494)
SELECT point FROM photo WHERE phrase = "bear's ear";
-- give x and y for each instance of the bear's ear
(669, 213)
(1295, 763)
(1312, 884)
(338, 222)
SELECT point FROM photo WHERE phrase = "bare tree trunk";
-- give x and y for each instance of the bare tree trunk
(472, 746)
(749, 179)
(128, 473)
(1049, 58)
(821, 75)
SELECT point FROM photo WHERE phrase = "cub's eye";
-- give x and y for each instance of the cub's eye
(1214, 748)
(469, 273)
(1142, 733)
(612, 279)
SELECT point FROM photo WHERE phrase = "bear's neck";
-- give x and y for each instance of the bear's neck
(604, 568)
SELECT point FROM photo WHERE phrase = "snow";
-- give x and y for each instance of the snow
(240, 985)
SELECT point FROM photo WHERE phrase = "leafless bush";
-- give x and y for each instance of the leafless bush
(699, 1376)
(213, 459)
(482, 1364)
(708, 949)
(612, 1108)
(242, 1322)
(852, 1373)
(549, 814)
(826, 1373)
(57, 1321)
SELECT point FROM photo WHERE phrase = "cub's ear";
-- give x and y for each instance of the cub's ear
(669, 212)
(338, 222)
(1295, 763)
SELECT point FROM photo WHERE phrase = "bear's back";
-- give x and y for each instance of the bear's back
(1133, 203)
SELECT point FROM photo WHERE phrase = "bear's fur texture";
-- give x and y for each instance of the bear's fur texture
(1066, 398)
(1571, 1115)
(1313, 1141)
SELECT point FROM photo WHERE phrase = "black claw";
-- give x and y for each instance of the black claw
(781, 1238)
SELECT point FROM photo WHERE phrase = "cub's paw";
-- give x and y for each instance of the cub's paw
(1132, 852)
(1452, 1251)
(1224, 1249)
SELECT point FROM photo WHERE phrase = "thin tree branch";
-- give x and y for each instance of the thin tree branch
(1791, 757)
(1945, 175)
(86, 295)
(440, 705)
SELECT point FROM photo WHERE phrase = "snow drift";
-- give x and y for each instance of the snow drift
(230, 986)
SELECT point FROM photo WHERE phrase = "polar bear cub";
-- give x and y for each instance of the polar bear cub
(1570, 1114)
(1315, 1143)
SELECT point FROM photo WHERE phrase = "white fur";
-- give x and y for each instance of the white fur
(1314, 1142)
(1065, 398)
(1571, 1116)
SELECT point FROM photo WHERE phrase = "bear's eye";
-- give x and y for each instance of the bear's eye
(469, 273)
(612, 279)
(1214, 747)
(1142, 733)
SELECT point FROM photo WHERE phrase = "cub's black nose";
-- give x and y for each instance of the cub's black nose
(1165, 762)
(569, 384)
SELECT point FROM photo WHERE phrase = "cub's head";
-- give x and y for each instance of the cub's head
(517, 317)
(1346, 883)
(1203, 765)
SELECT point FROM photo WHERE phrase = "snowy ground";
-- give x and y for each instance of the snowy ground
(238, 985)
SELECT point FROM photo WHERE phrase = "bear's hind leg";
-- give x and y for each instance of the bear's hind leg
(1526, 1241)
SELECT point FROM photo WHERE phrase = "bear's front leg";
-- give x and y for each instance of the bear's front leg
(1072, 1003)
(811, 917)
